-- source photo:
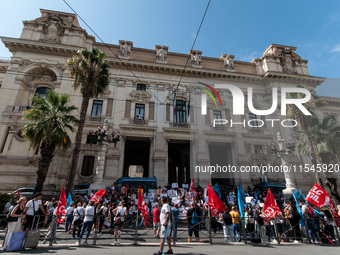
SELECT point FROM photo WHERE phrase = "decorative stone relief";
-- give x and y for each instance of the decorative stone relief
(196, 60)
(228, 62)
(161, 53)
(287, 60)
(54, 28)
(125, 48)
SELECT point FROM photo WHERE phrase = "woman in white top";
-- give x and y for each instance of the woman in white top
(120, 213)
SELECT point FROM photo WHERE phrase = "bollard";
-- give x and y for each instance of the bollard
(276, 232)
(209, 226)
(337, 232)
(173, 231)
(54, 225)
(136, 231)
(307, 231)
(244, 233)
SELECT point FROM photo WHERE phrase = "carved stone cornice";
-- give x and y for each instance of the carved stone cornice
(293, 78)
(14, 45)
(334, 101)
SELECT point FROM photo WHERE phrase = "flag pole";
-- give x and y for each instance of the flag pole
(209, 225)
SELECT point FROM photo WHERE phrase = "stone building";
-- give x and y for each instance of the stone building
(154, 141)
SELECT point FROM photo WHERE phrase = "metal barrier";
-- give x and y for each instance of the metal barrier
(211, 231)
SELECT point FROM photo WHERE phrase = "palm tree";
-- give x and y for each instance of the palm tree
(304, 121)
(325, 135)
(91, 74)
(52, 120)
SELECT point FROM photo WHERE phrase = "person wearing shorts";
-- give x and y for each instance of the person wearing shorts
(31, 210)
(191, 227)
(165, 227)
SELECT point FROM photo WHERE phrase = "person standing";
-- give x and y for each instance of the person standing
(88, 223)
(78, 219)
(69, 218)
(8, 205)
(227, 224)
(120, 213)
(156, 221)
(16, 215)
(31, 210)
(52, 230)
(165, 227)
(236, 223)
(193, 217)
(102, 214)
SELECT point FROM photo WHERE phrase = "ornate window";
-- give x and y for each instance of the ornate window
(253, 121)
(181, 116)
(97, 108)
(258, 149)
(42, 91)
(139, 111)
(217, 115)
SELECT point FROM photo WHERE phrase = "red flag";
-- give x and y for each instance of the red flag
(194, 192)
(270, 208)
(334, 213)
(215, 202)
(317, 196)
(19, 195)
(98, 195)
(61, 205)
(141, 207)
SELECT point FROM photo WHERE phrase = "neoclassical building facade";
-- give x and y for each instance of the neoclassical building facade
(139, 103)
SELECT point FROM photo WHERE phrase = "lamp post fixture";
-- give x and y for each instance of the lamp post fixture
(283, 150)
(100, 136)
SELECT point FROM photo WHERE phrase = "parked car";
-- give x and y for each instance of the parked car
(81, 189)
(26, 192)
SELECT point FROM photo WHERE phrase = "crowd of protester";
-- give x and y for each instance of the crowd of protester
(118, 209)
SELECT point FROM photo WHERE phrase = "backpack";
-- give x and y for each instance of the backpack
(227, 219)
(311, 213)
(194, 218)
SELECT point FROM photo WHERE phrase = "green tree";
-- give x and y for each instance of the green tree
(90, 73)
(325, 135)
(51, 119)
(304, 121)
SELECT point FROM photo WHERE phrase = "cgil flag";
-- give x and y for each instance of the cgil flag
(215, 203)
(317, 196)
(98, 195)
(192, 189)
(270, 208)
(61, 205)
(19, 195)
(141, 207)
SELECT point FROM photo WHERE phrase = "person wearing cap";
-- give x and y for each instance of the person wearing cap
(31, 209)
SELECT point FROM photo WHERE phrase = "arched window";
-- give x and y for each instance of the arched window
(42, 91)
(181, 116)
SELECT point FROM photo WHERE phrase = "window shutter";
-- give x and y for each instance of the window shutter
(109, 107)
(167, 112)
(127, 109)
(207, 117)
(151, 110)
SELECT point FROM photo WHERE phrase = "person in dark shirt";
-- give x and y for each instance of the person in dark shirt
(194, 218)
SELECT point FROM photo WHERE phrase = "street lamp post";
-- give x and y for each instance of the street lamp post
(103, 140)
(283, 150)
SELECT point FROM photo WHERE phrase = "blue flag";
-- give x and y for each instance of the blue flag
(298, 194)
(217, 190)
(69, 200)
(302, 223)
(240, 199)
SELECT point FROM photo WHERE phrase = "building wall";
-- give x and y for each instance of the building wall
(38, 60)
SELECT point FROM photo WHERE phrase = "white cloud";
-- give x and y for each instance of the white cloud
(336, 48)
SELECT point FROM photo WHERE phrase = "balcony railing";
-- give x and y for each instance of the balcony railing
(138, 122)
(95, 119)
(180, 125)
(17, 108)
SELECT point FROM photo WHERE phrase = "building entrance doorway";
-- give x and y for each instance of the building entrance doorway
(136, 158)
(179, 162)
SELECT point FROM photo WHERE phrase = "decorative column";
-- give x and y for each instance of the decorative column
(283, 150)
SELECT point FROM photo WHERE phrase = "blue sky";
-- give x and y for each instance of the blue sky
(243, 28)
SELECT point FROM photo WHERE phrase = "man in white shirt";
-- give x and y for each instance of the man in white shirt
(69, 218)
(78, 219)
(165, 227)
(31, 211)
(88, 223)
(8, 205)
